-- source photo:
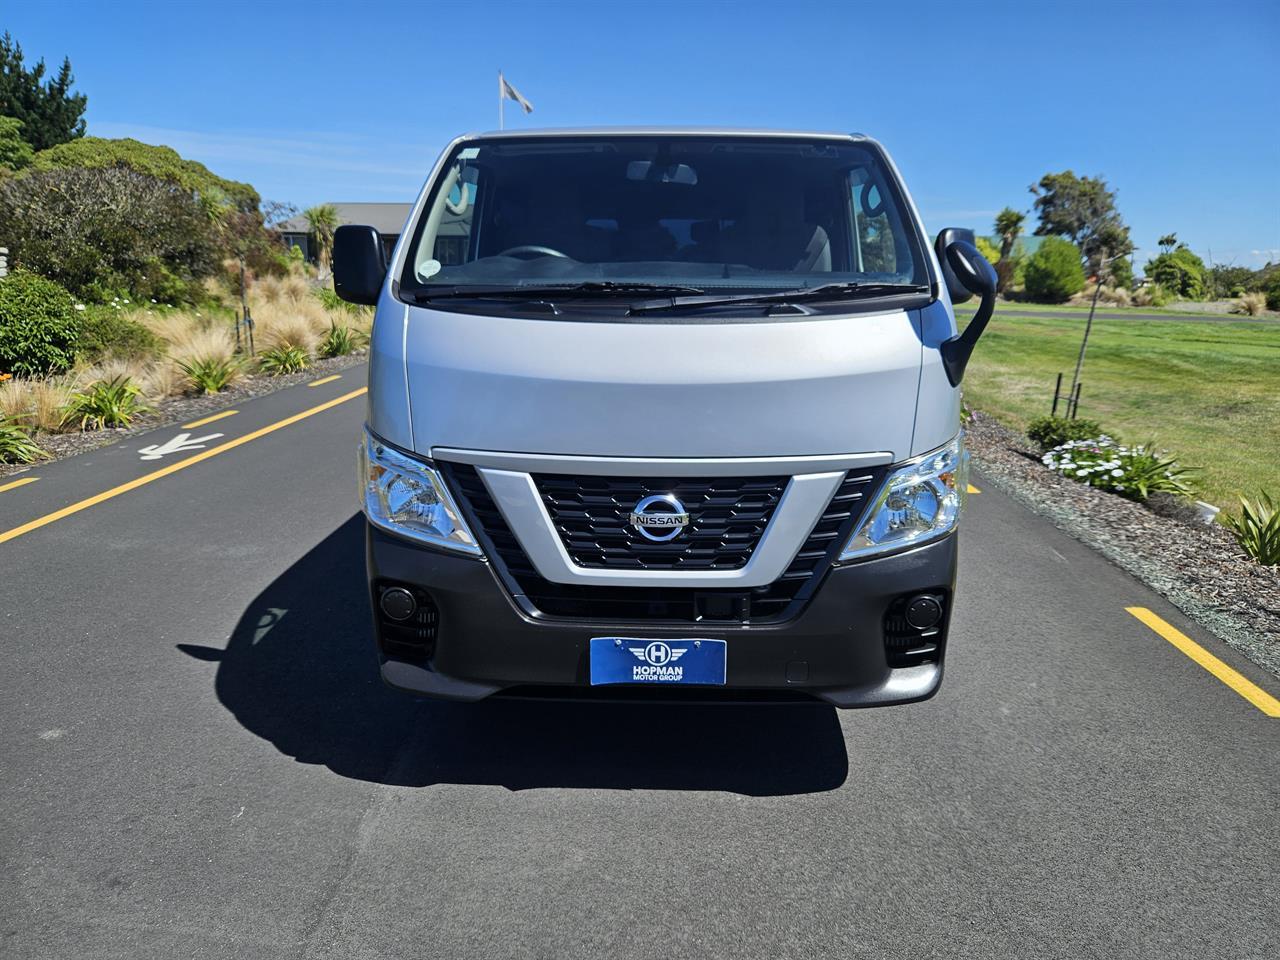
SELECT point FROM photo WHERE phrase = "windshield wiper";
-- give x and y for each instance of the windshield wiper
(828, 291)
(543, 291)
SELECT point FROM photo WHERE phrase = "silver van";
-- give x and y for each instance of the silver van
(664, 414)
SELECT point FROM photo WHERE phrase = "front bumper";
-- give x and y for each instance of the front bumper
(834, 650)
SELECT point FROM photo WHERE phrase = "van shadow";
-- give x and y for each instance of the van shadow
(300, 671)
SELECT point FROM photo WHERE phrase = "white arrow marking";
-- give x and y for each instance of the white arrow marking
(178, 444)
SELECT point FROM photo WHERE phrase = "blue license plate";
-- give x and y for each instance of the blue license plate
(637, 660)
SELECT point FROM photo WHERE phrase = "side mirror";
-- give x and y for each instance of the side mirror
(359, 267)
(958, 292)
(972, 270)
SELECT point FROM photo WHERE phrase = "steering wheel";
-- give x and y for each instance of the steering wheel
(533, 250)
(869, 210)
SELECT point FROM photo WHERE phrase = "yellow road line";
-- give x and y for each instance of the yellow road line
(216, 416)
(1233, 679)
(324, 380)
(13, 484)
(973, 489)
(174, 467)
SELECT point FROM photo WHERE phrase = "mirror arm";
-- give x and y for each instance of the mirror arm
(957, 350)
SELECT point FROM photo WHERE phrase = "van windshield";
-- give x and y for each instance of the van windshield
(708, 212)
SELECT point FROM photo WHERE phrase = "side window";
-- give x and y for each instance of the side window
(874, 250)
(453, 238)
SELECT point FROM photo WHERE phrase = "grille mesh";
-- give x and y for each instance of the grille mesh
(727, 517)
(773, 602)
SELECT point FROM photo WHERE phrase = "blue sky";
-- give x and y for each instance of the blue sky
(1176, 104)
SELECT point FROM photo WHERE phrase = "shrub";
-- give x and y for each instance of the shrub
(1120, 271)
(1181, 272)
(38, 325)
(1152, 295)
(338, 342)
(282, 360)
(16, 445)
(1053, 273)
(1133, 472)
(36, 404)
(210, 374)
(332, 301)
(1257, 529)
(101, 232)
(289, 327)
(1251, 304)
(1050, 432)
(1271, 287)
(106, 403)
(189, 341)
(1120, 296)
(110, 333)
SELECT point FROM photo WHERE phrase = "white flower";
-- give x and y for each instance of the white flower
(153, 299)
(1117, 473)
(79, 306)
(126, 301)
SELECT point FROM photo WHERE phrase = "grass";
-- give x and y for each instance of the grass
(1207, 392)
(1027, 306)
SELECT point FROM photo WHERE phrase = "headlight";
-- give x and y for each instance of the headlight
(407, 496)
(918, 502)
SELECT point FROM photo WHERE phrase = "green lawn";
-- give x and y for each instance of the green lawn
(1027, 306)
(1208, 392)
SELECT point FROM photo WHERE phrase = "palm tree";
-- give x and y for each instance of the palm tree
(323, 220)
(1008, 228)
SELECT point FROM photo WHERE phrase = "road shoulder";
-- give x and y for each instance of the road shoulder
(1197, 569)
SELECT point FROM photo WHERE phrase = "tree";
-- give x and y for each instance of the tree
(1167, 242)
(1226, 280)
(49, 112)
(105, 232)
(1054, 271)
(15, 153)
(1083, 210)
(1181, 272)
(323, 221)
(1008, 228)
(163, 163)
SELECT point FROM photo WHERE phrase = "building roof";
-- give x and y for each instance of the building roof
(386, 218)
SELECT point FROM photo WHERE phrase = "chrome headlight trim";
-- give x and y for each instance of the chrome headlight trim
(919, 502)
(407, 496)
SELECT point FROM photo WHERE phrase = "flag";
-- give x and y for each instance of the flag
(507, 92)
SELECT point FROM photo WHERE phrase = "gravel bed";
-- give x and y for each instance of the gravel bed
(1199, 568)
(180, 410)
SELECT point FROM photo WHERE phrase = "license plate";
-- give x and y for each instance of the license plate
(639, 660)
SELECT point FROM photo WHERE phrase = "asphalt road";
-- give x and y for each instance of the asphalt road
(198, 759)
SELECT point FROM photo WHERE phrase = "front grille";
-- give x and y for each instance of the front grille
(728, 516)
(776, 601)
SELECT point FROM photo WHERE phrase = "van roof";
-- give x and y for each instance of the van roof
(662, 131)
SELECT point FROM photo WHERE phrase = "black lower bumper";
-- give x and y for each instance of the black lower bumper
(834, 650)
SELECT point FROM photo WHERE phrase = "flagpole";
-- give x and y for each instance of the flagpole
(500, 98)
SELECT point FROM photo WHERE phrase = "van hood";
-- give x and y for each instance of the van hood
(795, 387)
